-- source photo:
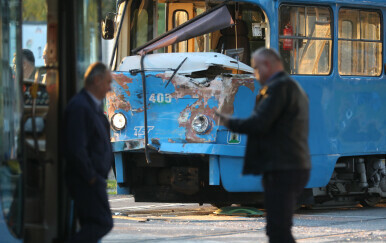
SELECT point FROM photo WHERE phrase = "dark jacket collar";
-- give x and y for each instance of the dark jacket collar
(89, 100)
(275, 77)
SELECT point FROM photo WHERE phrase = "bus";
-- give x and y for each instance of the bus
(34, 205)
(177, 62)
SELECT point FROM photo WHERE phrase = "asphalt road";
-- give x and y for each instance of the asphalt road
(174, 222)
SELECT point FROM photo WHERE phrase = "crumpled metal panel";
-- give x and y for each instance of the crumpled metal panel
(196, 61)
(171, 109)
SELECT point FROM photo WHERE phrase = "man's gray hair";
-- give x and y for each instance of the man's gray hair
(266, 53)
(94, 70)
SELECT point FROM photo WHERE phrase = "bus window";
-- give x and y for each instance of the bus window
(360, 46)
(180, 17)
(305, 40)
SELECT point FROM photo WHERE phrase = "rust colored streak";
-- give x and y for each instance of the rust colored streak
(122, 80)
(223, 89)
(109, 103)
(163, 76)
(115, 102)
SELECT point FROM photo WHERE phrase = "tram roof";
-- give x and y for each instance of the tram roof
(381, 3)
(345, 2)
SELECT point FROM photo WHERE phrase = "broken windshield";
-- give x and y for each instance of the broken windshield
(150, 20)
(212, 20)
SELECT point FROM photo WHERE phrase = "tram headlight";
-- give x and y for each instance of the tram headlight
(118, 121)
(201, 124)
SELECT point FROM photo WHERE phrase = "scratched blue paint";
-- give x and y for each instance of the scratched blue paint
(212, 102)
(163, 117)
(192, 148)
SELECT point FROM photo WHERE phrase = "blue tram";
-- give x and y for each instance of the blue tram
(175, 65)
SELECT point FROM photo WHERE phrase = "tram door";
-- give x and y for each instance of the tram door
(179, 13)
(46, 46)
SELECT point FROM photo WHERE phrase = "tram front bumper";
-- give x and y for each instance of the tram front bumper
(135, 145)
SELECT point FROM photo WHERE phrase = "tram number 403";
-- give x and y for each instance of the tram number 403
(160, 98)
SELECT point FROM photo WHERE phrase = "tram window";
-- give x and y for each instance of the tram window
(247, 16)
(345, 47)
(141, 29)
(180, 17)
(252, 15)
(201, 43)
(10, 116)
(305, 40)
(161, 25)
(359, 43)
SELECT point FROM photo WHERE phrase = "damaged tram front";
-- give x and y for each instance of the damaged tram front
(170, 92)
(177, 62)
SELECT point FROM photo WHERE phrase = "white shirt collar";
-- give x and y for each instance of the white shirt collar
(97, 101)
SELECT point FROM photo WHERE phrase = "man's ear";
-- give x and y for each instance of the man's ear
(96, 80)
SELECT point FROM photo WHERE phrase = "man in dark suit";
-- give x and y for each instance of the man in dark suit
(277, 144)
(89, 155)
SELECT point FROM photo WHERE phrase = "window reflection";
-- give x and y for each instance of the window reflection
(10, 116)
(345, 54)
(360, 45)
(141, 29)
(88, 37)
(180, 17)
(305, 39)
(141, 26)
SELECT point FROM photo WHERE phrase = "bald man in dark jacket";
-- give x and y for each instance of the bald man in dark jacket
(277, 144)
(89, 155)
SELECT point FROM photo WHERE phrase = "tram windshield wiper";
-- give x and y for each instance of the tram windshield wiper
(175, 71)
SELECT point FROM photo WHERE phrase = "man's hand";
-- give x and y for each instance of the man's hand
(224, 119)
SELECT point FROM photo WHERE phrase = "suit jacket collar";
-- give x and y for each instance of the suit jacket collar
(90, 100)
